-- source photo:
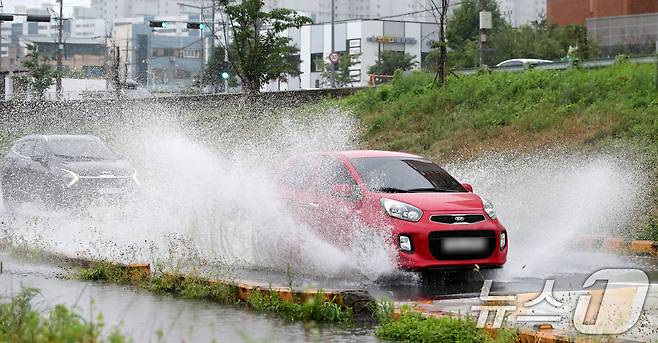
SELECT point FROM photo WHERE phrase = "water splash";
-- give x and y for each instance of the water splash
(549, 199)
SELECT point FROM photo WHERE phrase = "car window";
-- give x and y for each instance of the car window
(512, 64)
(402, 175)
(332, 172)
(39, 148)
(26, 148)
(79, 148)
(299, 173)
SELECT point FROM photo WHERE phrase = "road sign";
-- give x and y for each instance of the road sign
(334, 57)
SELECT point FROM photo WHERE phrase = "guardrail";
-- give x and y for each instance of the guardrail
(588, 64)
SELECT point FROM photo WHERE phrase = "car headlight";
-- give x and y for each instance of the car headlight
(503, 240)
(70, 177)
(488, 208)
(401, 210)
(135, 178)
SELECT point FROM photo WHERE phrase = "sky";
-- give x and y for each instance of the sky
(9, 4)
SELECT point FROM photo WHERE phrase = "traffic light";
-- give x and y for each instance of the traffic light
(39, 18)
(6, 17)
(162, 24)
(196, 26)
(224, 71)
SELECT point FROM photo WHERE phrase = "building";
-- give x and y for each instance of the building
(82, 55)
(576, 12)
(628, 34)
(359, 38)
(110, 10)
(163, 59)
(520, 12)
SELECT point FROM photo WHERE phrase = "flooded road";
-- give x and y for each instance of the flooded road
(144, 316)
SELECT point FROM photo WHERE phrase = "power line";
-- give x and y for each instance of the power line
(393, 15)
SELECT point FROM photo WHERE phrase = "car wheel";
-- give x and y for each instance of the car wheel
(8, 201)
(9, 197)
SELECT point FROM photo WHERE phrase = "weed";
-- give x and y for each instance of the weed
(316, 308)
(414, 327)
(19, 322)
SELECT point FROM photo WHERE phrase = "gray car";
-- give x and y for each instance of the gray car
(64, 170)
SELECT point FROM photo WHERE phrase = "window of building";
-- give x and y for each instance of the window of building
(315, 66)
(191, 53)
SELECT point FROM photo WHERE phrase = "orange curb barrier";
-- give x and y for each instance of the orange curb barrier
(638, 247)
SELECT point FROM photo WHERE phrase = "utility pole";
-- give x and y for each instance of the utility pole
(2, 82)
(485, 24)
(60, 49)
(117, 62)
(333, 48)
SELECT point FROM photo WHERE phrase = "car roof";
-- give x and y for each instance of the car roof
(49, 137)
(350, 154)
(526, 60)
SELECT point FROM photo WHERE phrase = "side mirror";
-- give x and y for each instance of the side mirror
(342, 190)
(467, 186)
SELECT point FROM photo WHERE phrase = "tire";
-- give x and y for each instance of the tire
(10, 199)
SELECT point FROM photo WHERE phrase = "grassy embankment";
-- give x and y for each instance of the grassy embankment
(577, 108)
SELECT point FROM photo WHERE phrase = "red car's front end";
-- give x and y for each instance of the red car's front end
(453, 231)
(434, 220)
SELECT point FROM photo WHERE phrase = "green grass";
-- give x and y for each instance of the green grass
(584, 105)
(577, 108)
(413, 327)
(314, 309)
(20, 322)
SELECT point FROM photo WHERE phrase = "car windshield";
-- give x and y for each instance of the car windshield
(403, 175)
(80, 148)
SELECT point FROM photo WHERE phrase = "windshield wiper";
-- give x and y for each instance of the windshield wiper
(64, 156)
(390, 190)
(432, 190)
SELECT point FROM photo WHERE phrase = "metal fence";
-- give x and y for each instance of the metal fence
(589, 64)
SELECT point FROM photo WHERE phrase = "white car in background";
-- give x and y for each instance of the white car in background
(521, 62)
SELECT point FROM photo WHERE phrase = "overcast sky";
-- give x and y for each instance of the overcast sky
(68, 4)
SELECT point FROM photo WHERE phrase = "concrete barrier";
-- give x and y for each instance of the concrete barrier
(358, 300)
(618, 245)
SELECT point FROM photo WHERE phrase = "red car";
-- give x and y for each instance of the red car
(435, 221)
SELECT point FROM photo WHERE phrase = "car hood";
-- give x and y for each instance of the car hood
(98, 168)
(444, 202)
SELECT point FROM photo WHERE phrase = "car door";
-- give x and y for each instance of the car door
(338, 200)
(38, 169)
(295, 188)
(23, 164)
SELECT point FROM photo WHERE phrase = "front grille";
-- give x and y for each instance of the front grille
(457, 219)
(437, 240)
(97, 183)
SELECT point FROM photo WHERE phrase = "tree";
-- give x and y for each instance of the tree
(343, 66)
(440, 15)
(42, 74)
(464, 24)
(259, 52)
(392, 61)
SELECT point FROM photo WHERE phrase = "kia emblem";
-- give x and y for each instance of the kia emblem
(459, 218)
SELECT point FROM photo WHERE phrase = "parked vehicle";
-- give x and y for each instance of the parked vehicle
(522, 62)
(433, 220)
(64, 170)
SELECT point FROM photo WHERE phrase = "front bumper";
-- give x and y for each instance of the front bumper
(426, 236)
(88, 190)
